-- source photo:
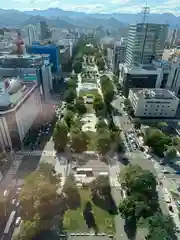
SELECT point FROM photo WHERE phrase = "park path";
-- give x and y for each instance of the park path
(116, 194)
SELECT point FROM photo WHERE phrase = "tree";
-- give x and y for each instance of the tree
(80, 106)
(100, 186)
(162, 126)
(160, 227)
(101, 125)
(103, 142)
(137, 123)
(79, 140)
(140, 185)
(38, 194)
(98, 104)
(157, 140)
(68, 118)
(70, 190)
(77, 66)
(171, 153)
(107, 89)
(60, 136)
(108, 95)
(100, 63)
(127, 102)
(72, 83)
(70, 95)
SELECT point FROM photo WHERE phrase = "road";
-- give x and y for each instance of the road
(137, 157)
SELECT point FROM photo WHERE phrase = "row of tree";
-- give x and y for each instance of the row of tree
(39, 202)
(107, 90)
(141, 203)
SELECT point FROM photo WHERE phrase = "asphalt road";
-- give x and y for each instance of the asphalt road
(136, 157)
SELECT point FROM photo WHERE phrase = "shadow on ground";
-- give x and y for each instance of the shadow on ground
(106, 202)
(89, 217)
(28, 165)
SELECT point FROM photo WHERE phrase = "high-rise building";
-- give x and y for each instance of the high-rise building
(119, 53)
(32, 34)
(44, 30)
(145, 42)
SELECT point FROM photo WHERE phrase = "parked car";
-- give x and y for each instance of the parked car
(162, 162)
(171, 208)
(18, 221)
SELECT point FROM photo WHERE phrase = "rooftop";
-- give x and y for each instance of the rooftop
(153, 93)
(17, 96)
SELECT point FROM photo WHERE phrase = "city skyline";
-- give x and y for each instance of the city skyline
(96, 6)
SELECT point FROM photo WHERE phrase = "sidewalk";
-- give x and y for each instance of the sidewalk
(116, 194)
(9, 179)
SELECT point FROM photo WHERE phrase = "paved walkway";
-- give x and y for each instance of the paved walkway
(116, 194)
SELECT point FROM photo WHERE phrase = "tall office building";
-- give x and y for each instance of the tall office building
(44, 30)
(145, 42)
(31, 34)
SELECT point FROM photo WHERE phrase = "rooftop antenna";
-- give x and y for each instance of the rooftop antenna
(145, 12)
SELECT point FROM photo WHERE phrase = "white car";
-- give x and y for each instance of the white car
(13, 201)
(18, 221)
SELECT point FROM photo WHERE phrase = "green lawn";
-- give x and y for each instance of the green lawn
(90, 92)
(74, 219)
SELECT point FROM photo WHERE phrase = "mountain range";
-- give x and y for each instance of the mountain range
(70, 19)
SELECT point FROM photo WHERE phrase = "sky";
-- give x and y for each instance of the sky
(96, 6)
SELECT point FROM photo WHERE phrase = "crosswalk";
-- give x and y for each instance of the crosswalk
(37, 153)
(15, 165)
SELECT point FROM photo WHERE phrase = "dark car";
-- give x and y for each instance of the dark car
(171, 208)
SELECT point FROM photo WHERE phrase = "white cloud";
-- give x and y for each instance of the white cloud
(119, 2)
(84, 7)
(130, 9)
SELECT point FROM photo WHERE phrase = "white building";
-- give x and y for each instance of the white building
(18, 111)
(31, 33)
(153, 103)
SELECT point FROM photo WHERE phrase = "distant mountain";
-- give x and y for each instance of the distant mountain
(34, 20)
(69, 19)
(127, 18)
(56, 12)
(12, 18)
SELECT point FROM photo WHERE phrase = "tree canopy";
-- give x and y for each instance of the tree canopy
(160, 227)
(60, 136)
(98, 104)
(140, 187)
(171, 153)
(103, 142)
(79, 140)
(68, 118)
(77, 66)
(80, 106)
(70, 95)
(157, 140)
(100, 63)
(38, 194)
(107, 89)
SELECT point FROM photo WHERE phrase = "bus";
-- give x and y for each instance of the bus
(9, 222)
(87, 171)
